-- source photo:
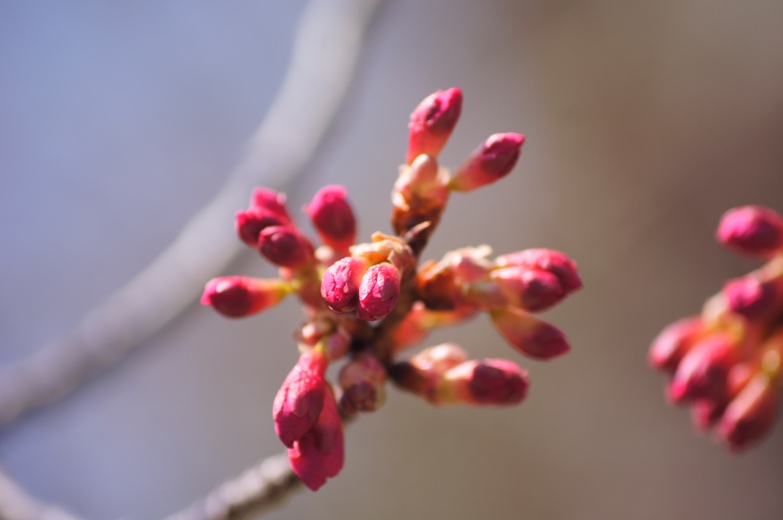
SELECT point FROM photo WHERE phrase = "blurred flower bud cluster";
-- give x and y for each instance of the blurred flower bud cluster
(726, 362)
(365, 303)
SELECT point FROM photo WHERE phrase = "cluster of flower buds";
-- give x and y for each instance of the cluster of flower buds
(368, 302)
(726, 362)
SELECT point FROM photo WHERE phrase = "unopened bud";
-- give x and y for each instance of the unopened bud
(299, 402)
(752, 298)
(378, 292)
(751, 230)
(320, 453)
(702, 373)
(751, 415)
(250, 222)
(238, 296)
(270, 200)
(363, 380)
(333, 217)
(496, 382)
(491, 161)
(340, 283)
(674, 341)
(528, 334)
(284, 246)
(432, 122)
(533, 290)
(548, 260)
(423, 373)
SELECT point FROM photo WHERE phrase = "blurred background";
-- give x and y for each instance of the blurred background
(645, 122)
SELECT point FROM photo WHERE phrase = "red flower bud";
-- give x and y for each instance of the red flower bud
(271, 201)
(284, 246)
(300, 400)
(548, 260)
(751, 415)
(238, 296)
(333, 217)
(752, 298)
(363, 380)
(320, 453)
(340, 283)
(702, 373)
(423, 373)
(673, 342)
(250, 222)
(496, 382)
(530, 335)
(378, 292)
(432, 122)
(491, 161)
(530, 289)
(751, 230)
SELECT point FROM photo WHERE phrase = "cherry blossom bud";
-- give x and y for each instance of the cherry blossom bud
(320, 453)
(491, 161)
(432, 122)
(496, 382)
(533, 290)
(751, 230)
(239, 296)
(300, 400)
(548, 260)
(270, 200)
(752, 298)
(284, 246)
(751, 415)
(703, 370)
(378, 292)
(333, 217)
(250, 222)
(674, 341)
(528, 334)
(340, 283)
(438, 286)
(363, 380)
(423, 373)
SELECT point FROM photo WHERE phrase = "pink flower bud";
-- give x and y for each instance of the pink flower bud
(378, 292)
(284, 246)
(751, 415)
(548, 260)
(320, 453)
(530, 335)
(271, 201)
(702, 373)
(752, 298)
(250, 222)
(423, 373)
(340, 283)
(299, 402)
(438, 286)
(363, 380)
(530, 289)
(491, 161)
(751, 230)
(432, 122)
(333, 217)
(238, 296)
(496, 382)
(674, 341)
